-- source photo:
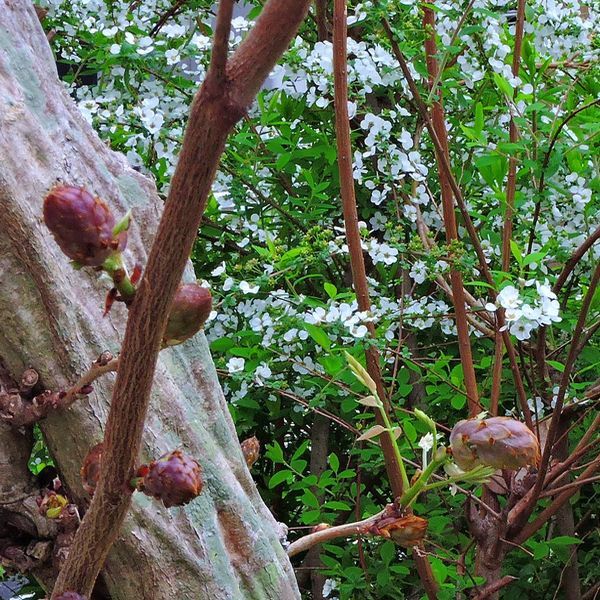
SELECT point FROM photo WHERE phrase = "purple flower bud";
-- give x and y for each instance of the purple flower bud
(82, 225)
(174, 478)
(191, 307)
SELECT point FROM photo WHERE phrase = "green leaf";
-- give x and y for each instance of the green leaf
(564, 540)
(280, 477)
(334, 462)
(274, 453)
(310, 500)
(458, 401)
(388, 552)
(330, 289)
(503, 85)
(336, 505)
(318, 335)
(516, 252)
(479, 118)
(556, 365)
(123, 224)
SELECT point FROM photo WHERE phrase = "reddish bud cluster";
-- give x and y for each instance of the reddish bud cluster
(406, 531)
(174, 479)
(251, 450)
(82, 225)
(190, 309)
(499, 442)
(90, 470)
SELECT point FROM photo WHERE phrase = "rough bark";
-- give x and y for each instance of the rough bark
(224, 544)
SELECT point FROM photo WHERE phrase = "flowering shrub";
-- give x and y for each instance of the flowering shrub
(272, 246)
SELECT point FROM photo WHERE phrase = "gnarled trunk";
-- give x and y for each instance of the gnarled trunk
(224, 544)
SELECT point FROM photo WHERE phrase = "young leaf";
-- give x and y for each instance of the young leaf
(371, 433)
(369, 401)
(361, 373)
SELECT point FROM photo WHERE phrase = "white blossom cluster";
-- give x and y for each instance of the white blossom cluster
(525, 313)
(147, 115)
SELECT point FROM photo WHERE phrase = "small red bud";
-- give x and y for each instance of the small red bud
(189, 311)
(251, 450)
(174, 479)
(499, 442)
(90, 470)
(82, 225)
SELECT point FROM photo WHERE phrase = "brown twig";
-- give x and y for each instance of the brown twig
(494, 587)
(359, 277)
(216, 108)
(520, 513)
(509, 209)
(439, 126)
(529, 529)
(332, 533)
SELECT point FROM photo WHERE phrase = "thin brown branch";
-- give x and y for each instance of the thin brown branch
(443, 161)
(359, 277)
(510, 205)
(357, 263)
(332, 533)
(322, 26)
(575, 258)
(529, 529)
(520, 513)
(494, 587)
(214, 112)
(456, 282)
(546, 161)
(568, 486)
(218, 58)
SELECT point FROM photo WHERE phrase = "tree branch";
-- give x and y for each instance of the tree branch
(214, 112)
(456, 282)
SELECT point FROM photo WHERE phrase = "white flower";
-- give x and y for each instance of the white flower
(262, 372)
(418, 271)
(219, 270)
(246, 288)
(329, 586)
(509, 297)
(521, 329)
(235, 364)
(426, 442)
(115, 49)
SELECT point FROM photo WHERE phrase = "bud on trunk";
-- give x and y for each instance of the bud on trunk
(82, 225)
(174, 479)
(90, 470)
(191, 307)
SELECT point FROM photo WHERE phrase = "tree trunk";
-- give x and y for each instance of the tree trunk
(224, 544)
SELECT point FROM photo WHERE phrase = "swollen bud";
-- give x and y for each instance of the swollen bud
(71, 596)
(251, 450)
(499, 442)
(174, 479)
(406, 531)
(190, 309)
(82, 225)
(90, 470)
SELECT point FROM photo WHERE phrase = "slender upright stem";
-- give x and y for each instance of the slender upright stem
(456, 282)
(359, 277)
(510, 205)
